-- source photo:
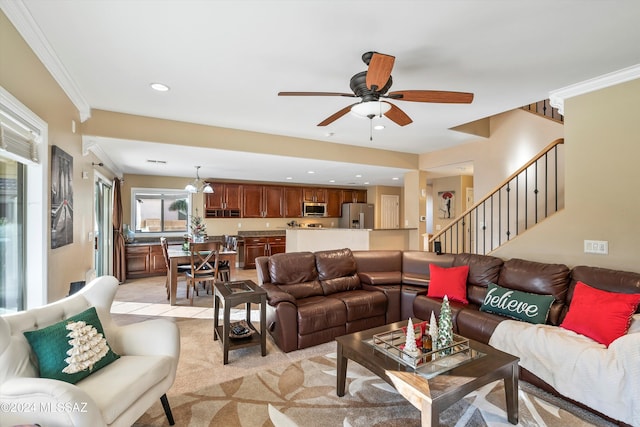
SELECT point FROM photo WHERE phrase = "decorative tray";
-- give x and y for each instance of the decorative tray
(391, 344)
(241, 329)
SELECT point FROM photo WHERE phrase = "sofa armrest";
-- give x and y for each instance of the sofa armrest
(27, 400)
(150, 337)
(275, 295)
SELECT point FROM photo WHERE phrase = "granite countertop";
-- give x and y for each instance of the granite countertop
(261, 233)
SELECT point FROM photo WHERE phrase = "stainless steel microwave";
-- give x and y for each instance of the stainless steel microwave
(314, 209)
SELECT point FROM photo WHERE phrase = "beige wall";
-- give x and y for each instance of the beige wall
(516, 136)
(601, 203)
(29, 81)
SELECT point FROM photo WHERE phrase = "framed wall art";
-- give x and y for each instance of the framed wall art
(446, 204)
(61, 198)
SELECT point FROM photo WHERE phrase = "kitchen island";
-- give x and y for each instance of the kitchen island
(320, 239)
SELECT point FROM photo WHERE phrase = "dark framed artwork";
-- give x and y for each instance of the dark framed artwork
(61, 198)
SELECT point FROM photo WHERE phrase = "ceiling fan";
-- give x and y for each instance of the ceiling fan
(373, 84)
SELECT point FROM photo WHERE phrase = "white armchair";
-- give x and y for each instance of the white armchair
(116, 395)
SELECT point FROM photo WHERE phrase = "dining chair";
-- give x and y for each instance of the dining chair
(182, 268)
(224, 268)
(205, 257)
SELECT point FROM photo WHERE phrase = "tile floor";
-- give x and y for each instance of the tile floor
(146, 297)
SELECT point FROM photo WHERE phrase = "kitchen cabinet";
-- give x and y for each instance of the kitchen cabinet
(334, 202)
(224, 202)
(318, 195)
(262, 201)
(262, 246)
(292, 204)
(144, 260)
(354, 196)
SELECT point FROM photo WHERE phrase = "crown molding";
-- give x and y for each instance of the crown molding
(557, 97)
(89, 144)
(21, 18)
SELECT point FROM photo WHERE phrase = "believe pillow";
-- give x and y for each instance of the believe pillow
(72, 349)
(600, 315)
(532, 308)
(451, 282)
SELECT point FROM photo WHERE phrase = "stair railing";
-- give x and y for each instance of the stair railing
(527, 197)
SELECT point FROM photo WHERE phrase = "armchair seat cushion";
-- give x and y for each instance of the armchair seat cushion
(361, 304)
(318, 313)
(110, 392)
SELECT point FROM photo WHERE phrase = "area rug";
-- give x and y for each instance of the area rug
(303, 394)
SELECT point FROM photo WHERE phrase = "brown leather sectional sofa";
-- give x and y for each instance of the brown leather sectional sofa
(315, 297)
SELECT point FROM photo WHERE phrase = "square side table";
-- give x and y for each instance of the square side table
(230, 294)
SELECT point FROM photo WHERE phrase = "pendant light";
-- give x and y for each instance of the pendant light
(198, 185)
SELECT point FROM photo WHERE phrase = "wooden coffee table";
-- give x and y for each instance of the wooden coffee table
(430, 395)
(230, 294)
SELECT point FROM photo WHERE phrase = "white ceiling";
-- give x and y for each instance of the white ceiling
(225, 62)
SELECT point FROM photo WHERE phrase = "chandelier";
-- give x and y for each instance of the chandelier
(198, 185)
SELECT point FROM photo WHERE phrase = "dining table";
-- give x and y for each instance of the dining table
(178, 256)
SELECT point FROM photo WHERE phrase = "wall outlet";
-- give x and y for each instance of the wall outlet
(267, 225)
(600, 247)
(239, 225)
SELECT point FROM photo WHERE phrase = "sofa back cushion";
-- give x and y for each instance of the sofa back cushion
(483, 269)
(624, 282)
(415, 266)
(295, 273)
(379, 267)
(538, 278)
(337, 271)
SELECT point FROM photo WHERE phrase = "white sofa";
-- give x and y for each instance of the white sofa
(116, 395)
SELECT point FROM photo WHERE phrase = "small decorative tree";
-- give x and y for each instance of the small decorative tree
(445, 329)
(198, 227)
(433, 330)
(410, 346)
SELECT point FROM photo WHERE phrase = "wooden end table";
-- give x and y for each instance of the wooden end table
(230, 294)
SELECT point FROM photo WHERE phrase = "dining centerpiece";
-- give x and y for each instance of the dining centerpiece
(198, 228)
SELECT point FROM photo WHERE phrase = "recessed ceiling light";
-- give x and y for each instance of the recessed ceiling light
(289, 177)
(366, 183)
(332, 180)
(159, 87)
(395, 178)
(378, 127)
(358, 176)
(310, 172)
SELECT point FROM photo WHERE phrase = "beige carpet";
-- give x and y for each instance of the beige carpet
(298, 389)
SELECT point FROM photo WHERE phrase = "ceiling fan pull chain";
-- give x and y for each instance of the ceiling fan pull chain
(371, 129)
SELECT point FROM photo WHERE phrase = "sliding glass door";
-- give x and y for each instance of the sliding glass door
(103, 229)
(12, 235)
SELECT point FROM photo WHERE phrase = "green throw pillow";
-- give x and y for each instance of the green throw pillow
(532, 308)
(72, 349)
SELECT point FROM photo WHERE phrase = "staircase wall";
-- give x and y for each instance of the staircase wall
(602, 201)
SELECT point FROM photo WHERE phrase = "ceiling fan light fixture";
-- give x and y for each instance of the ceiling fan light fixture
(370, 109)
(198, 185)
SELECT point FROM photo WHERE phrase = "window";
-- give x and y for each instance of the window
(12, 236)
(23, 183)
(159, 211)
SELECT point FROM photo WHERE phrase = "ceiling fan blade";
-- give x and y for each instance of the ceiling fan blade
(350, 95)
(398, 116)
(379, 70)
(335, 116)
(440, 96)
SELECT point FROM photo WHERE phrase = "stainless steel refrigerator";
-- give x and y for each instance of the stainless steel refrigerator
(357, 215)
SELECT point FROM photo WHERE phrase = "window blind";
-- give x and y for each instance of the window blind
(17, 138)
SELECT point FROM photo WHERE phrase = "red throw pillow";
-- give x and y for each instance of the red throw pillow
(600, 315)
(451, 282)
